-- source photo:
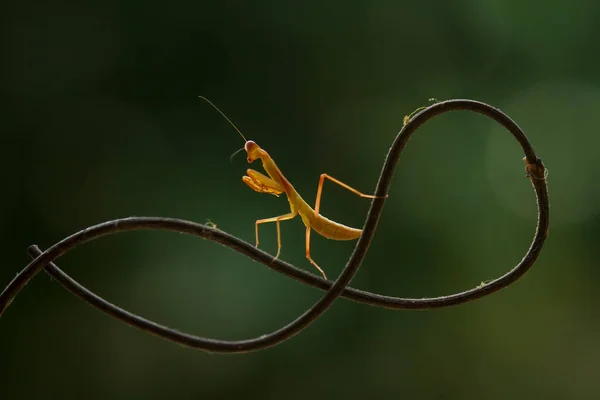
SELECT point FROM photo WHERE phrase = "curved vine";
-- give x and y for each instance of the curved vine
(334, 289)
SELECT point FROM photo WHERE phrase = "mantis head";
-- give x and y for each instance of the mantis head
(254, 151)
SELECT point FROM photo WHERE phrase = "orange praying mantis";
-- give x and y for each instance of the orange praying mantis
(277, 184)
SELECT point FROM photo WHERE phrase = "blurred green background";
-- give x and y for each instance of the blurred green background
(102, 120)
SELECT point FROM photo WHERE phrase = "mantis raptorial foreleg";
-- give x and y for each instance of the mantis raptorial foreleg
(342, 184)
(262, 183)
(276, 220)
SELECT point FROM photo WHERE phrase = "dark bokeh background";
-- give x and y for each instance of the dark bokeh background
(101, 120)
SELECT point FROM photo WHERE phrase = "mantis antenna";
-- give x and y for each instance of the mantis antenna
(235, 153)
(227, 118)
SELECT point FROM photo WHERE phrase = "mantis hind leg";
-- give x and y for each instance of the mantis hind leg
(276, 220)
(318, 206)
(342, 184)
(308, 252)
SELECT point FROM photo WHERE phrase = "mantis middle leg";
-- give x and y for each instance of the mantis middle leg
(276, 220)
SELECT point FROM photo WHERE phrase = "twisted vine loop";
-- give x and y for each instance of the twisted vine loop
(535, 171)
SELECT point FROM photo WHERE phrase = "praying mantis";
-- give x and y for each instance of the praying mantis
(276, 184)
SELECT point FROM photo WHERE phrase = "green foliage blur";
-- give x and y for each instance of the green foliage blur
(101, 119)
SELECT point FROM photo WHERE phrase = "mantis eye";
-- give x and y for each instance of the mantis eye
(250, 145)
